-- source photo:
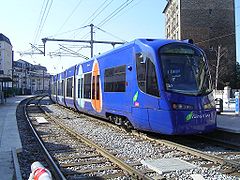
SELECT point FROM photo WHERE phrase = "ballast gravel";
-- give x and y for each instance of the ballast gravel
(130, 148)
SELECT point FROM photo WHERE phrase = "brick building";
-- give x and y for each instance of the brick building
(211, 25)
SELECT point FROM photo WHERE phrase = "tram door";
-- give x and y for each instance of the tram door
(96, 89)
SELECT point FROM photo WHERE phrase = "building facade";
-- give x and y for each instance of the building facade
(211, 25)
(6, 59)
(29, 78)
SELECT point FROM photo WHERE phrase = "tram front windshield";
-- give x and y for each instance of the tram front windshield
(184, 69)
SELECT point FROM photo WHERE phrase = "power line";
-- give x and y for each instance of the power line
(131, 7)
(36, 30)
(115, 12)
(43, 19)
(96, 13)
(75, 8)
(110, 34)
(68, 31)
(91, 42)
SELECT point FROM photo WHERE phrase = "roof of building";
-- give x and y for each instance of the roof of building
(168, 3)
(22, 63)
(4, 38)
(39, 67)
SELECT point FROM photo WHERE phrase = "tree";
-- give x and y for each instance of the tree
(237, 75)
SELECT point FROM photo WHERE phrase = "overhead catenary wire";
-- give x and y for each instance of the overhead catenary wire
(110, 34)
(39, 19)
(69, 31)
(131, 7)
(95, 14)
(40, 31)
(111, 15)
(70, 15)
(115, 12)
(44, 14)
(99, 10)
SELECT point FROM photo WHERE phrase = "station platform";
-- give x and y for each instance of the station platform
(229, 122)
(10, 142)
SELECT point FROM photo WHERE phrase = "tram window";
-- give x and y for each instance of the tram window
(69, 87)
(81, 87)
(114, 79)
(59, 88)
(152, 85)
(93, 88)
(146, 75)
(141, 72)
(98, 92)
(62, 87)
(87, 86)
(79, 90)
(55, 88)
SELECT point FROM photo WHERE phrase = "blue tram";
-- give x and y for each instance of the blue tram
(161, 86)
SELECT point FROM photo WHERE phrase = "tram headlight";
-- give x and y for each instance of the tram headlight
(178, 106)
(209, 105)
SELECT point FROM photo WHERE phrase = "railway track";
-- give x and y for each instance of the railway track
(228, 165)
(73, 156)
(227, 139)
(74, 162)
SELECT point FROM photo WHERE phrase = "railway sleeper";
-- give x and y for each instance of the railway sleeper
(86, 171)
(113, 176)
(83, 163)
(81, 156)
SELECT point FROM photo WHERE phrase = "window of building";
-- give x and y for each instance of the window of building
(115, 79)
(69, 87)
(210, 11)
(87, 85)
(146, 75)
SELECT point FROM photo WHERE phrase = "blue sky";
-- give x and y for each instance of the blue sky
(20, 22)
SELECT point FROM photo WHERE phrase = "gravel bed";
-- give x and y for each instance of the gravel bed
(30, 149)
(133, 149)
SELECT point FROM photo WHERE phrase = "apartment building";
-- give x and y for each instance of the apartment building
(29, 78)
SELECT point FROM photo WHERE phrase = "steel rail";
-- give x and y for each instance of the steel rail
(55, 170)
(227, 144)
(124, 166)
(192, 151)
(180, 147)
